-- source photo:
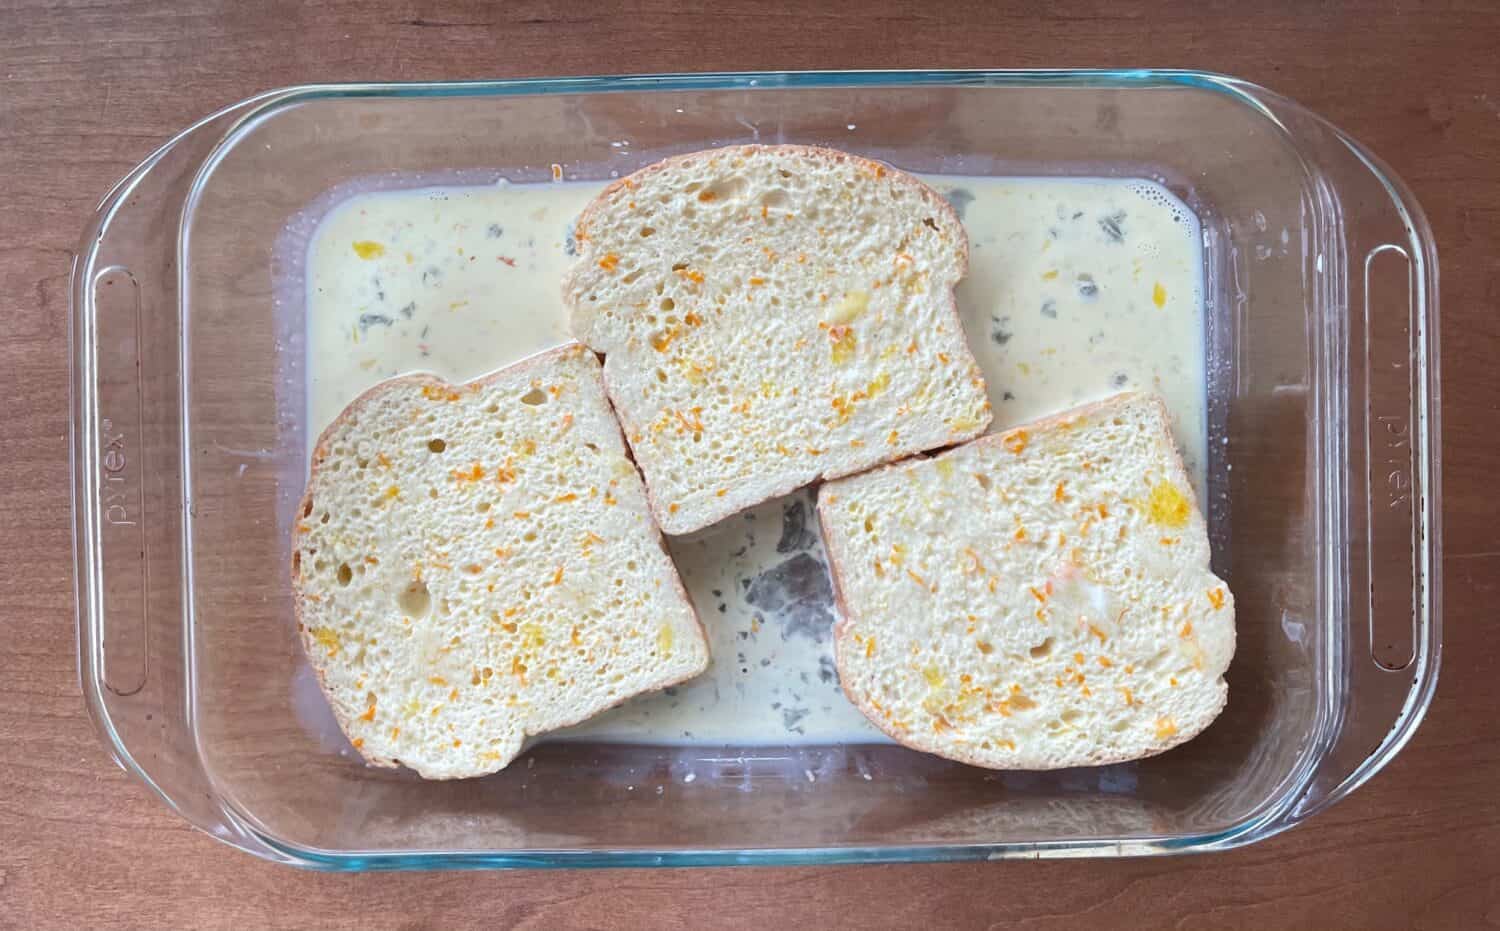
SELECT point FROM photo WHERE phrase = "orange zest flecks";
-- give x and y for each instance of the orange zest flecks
(368, 249)
(1216, 598)
(660, 341)
(474, 473)
(610, 262)
(1015, 441)
(690, 421)
(841, 340)
(439, 393)
(369, 714)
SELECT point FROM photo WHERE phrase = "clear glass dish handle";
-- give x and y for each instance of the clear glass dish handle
(1377, 265)
(133, 638)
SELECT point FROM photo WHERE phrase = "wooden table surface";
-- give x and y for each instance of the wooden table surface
(91, 87)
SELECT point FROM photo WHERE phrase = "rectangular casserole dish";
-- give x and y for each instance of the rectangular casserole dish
(189, 450)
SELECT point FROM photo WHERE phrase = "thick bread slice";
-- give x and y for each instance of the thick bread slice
(474, 564)
(1034, 599)
(771, 315)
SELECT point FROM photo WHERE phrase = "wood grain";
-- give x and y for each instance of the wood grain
(91, 88)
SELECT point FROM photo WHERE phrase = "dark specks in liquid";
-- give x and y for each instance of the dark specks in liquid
(791, 718)
(368, 320)
(432, 276)
(960, 199)
(1008, 396)
(827, 671)
(798, 593)
(1119, 380)
(570, 244)
(409, 310)
(1086, 287)
(1114, 226)
(494, 231)
(1049, 309)
(795, 537)
(999, 330)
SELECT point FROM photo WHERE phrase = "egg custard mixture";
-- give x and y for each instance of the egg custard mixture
(1077, 288)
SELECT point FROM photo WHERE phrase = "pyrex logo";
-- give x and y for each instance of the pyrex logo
(116, 485)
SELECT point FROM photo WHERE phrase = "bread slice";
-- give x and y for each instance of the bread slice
(474, 564)
(1035, 599)
(772, 315)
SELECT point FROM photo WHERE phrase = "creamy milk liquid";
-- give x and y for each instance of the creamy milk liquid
(1077, 288)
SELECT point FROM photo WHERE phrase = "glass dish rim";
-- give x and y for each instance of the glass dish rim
(1279, 812)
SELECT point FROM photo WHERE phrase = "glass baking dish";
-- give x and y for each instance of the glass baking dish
(189, 444)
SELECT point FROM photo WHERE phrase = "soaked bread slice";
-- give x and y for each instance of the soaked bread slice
(474, 564)
(770, 316)
(1034, 599)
